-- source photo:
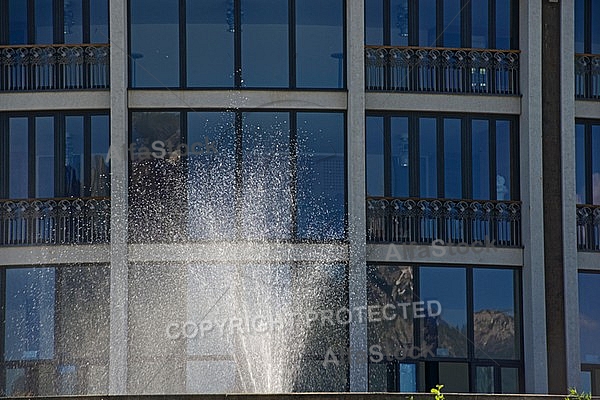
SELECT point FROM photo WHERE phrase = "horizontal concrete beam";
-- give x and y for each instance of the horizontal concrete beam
(587, 109)
(59, 100)
(588, 260)
(52, 255)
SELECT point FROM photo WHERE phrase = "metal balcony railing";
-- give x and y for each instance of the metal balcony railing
(423, 221)
(442, 70)
(587, 76)
(54, 221)
(54, 67)
(588, 227)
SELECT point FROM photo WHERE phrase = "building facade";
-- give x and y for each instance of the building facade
(215, 196)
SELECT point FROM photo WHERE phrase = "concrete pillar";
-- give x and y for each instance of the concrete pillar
(118, 222)
(356, 192)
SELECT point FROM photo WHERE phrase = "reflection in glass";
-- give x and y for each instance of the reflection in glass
(73, 21)
(375, 158)
(373, 22)
(18, 158)
(400, 156)
(452, 159)
(509, 378)
(320, 43)
(427, 23)
(154, 60)
(17, 20)
(428, 157)
(44, 26)
(481, 160)
(399, 22)
(480, 28)
(579, 26)
(74, 157)
(320, 175)
(494, 318)
(596, 164)
(595, 28)
(589, 317)
(99, 21)
(452, 23)
(100, 168)
(210, 39)
(447, 333)
(580, 168)
(408, 377)
(265, 43)
(484, 377)
(503, 24)
(503, 160)
(44, 157)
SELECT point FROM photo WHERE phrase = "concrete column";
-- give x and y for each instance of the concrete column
(534, 314)
(118, 222)
(569, 198)
(356, 192)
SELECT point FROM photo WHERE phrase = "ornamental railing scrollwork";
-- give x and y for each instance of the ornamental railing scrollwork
(423, 221)
(588, 227)
(54, 67)
(54, 221)
(587, 76)
(442, 70)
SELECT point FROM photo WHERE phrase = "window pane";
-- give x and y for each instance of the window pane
(211, 175)
(17, 22)
(595, 164)
(510, 380)
(99, 21)
(589, 317)
(74, 158)
(265, 50)
(18, 158)
(321, 176)
(73, 21)
(446, 333)
(399, 137)
(427, 23)
(493, 311)
(375, 163)
(100, 168)
(399, 22)
(503, 24)
(580, 163)
(480, 33)
(44, 157)
(320, 43)
(154, 58)
(452, 23)
(428, 157)
(595, 19)
(455, 377)
(210, 38)
(452, 159)
(29, 331)
(408, 378)
(481, 160)
(373, 22)
(484, 378)
(503, 160)
(266, 202)
(579, 26)
(44, 29)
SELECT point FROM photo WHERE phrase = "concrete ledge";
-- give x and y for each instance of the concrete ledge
(52, 255)
(246, 99)
(59, 100)
(588, 260)
(587, 109)
(446, 103)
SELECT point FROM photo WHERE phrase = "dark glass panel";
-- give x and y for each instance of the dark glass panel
(99, 21)
(73, 21)
(503, 24)
(452, 23)
(266, 202)
(455, 377)
(321, 176)
(210, 48)
(503, 160)
(481, 159)
(580, 168)
(375, 158)
(44, 26)
(18, 164)
(480, 28)
(400, 167)
(428, 157)
(589, 318)
(17, 22)
(265, 43)
(509, 379)
(29, 327)
(100, 168)
(399, 22)
(154, 57)
(494, 311)
(427, 23)
(484, 379)
(211, 175)
(44, 157)
(595, 19)
(595, 164)
(74, 157)
(373, 22)
(579, 26)
(446, 334)
(452, 158)
(320, 43)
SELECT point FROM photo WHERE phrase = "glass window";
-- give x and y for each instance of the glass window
(210, 43)
(427, 23)
(44, 27)
(400, 156)
(579, 26)
(375, 156)
(589, 317)
(484, 376)
(211, 175)
(17, 22)
(580, 169)
(452, 159)
(265, 43)
(595, 21)
(99, 21)
(428, 157)
(321, 177)
(154, 58)
(455, 377)
(480, 23)
(503, 160)
(266, 202)
(446, 333)
(73, 21)
(595, 164)
(481, 159)
(399, 14)
(18, 163)
(320, 43)
(504, 24)
(100, 163)
(452, 23)
(509, 380)
(44, 157)
(374, 22)
(74, 157)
